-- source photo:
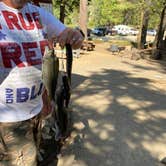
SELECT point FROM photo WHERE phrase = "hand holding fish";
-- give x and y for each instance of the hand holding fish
(71, 36)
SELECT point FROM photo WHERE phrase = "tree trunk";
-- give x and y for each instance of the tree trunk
(161, 29)
(160, 41)
(62, 11)
(143, 29)
(83, 18)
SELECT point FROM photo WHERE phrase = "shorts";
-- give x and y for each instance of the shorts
(19, 142)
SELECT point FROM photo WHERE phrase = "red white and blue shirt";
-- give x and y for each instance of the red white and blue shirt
(23, 37)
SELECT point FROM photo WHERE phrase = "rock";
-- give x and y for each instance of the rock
(114, 48)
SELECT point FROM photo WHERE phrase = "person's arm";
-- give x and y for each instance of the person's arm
(63, 34)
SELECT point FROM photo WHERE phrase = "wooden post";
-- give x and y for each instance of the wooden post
(83, 17)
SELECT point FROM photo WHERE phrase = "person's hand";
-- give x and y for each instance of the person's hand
(72, 37)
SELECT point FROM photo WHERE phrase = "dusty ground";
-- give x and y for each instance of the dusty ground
(119, 111)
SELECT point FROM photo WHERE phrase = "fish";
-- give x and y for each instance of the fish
(61, 111)
(50, 70)
(59, 97)
(67, 90)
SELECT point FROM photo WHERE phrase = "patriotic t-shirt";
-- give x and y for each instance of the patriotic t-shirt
(23, 37)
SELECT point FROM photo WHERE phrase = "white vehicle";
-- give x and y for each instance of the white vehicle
(122, 29)
(151, 32)
(133, 32)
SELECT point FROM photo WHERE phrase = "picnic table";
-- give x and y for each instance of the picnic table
(88, 45)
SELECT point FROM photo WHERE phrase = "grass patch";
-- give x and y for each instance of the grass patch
(115, 40)
(97, 41)
(120, 42)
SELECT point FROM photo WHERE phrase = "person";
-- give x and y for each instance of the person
(25, 30)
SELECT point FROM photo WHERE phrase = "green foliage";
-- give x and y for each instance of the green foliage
(70, 6)
(73, 18)
(71, 10)
(111, 12)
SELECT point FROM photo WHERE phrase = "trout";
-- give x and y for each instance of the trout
(61, 112)
(66, 90)
(59, 98)
(50, 70)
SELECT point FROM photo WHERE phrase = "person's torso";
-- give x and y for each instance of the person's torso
(22, 43)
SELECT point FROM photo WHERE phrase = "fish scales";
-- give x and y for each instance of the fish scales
(50, 70)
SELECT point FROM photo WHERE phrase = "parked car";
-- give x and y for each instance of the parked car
(99, 31)
(111, 32)
(151, 32)
(122, 29)
(133, 32)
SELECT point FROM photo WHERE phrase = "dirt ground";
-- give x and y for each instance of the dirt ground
(118, 111)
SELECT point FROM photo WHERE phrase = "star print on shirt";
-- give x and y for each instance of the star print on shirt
(2, 36)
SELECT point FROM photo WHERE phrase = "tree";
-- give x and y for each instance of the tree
(65, 7)
(143, 29)
(145, 12)
(109, 12)
(160, 40)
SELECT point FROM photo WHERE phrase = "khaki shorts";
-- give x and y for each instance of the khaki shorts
(19, 142)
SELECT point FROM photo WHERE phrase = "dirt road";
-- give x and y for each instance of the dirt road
(119, 112)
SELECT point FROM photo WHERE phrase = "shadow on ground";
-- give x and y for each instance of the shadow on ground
(159, 66)
(130, 131)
